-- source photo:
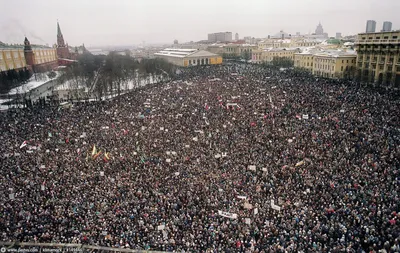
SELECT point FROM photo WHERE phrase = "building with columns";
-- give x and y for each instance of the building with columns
(378, 58)
(304, 60)
(267, 55)
(188, 57)
(334, 64)
(230, 50)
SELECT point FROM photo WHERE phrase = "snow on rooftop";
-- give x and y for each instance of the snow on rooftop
(176, 52)
(336, 53)
(180, 50)
(181, 53)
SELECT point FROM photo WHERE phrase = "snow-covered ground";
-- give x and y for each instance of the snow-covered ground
(69, 85)
(31, 84)
(2, 101)
(6, 107)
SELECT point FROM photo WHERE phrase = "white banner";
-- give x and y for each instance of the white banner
(241, 197)
(227, 215)
(252, 167)
(247, 221)
(160, 227)
(23, 144)
(255, 211)
(248, 206)
(275, 207)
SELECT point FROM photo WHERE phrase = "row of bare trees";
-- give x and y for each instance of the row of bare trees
(101, 75)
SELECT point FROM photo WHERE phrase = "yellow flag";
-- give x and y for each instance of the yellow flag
(94, 152)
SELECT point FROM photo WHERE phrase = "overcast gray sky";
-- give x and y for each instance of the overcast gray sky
(126, 22)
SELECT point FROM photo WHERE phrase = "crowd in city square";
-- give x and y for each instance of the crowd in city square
(233, 158)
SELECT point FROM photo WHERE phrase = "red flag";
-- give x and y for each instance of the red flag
(23, 144)
(96, 155)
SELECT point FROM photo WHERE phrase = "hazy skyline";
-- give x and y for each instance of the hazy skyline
(118, 22)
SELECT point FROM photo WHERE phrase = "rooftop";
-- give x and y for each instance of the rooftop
(281, 49)
(181, 53)
(5, 46)
(336, 53)
(379, 32)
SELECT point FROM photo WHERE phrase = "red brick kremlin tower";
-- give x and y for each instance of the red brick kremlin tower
(28, 53)
(62, 48)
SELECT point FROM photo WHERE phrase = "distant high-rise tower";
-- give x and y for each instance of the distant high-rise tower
(319, 30)
(236, 36)
(338, 35)
(387, 26)
(176, 42)
(62, 48)
(371, 26)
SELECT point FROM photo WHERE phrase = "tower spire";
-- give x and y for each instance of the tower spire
(27, 45)
(60, 38)
(28, 53)
(58, 29)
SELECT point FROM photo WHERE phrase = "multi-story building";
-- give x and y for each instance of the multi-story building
(337, 64)
(236, 36)
(319, 30)
(371, 26)
(287, 43)
(189, 57)
(338, 35)
(304, 60)
(35, 58)
(232, 49)
(274, 43)
(378, 58)
(250, 40)
(267, 55)
(221, 37)
(12, 58)
(387, 26)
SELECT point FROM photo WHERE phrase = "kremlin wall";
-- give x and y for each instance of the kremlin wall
(37, 58)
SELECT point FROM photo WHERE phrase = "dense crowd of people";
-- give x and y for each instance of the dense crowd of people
(232, 158)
